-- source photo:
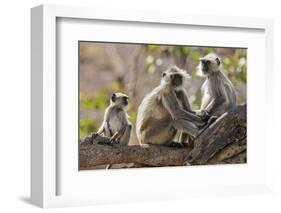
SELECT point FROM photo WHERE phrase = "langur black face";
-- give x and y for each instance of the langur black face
(175, 77)
(176, 80)
(119, 99)
(125, 100)
(205, 63)
(209, 64)
(113, 97)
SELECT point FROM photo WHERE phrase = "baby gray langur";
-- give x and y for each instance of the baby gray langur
(115, 124)
(218, 93)
(166, 110)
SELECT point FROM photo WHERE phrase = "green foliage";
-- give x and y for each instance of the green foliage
(133, 116)
(235, 66)
(152, 47)
(194, 55)
(97, 103)
(88, 103)
(116, 86)
(87, 126)
(100, 101)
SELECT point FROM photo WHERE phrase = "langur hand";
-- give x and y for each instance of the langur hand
(204, 115)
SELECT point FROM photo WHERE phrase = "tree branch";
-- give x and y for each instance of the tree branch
(230, 128)
(153, 155)
(222, 142)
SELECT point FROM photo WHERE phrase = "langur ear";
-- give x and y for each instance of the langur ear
(218, 61)
(113, 97)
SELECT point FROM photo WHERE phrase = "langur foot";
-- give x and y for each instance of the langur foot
(100, 139)
(144, 145)
(176, 145)
(94, 136)
(114, 141)
(90, 138)
(108, 142)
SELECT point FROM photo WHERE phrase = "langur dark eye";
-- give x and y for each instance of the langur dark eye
(113, 97)
(163, 74)
(218, 61)
(125, 100)
(206, 62)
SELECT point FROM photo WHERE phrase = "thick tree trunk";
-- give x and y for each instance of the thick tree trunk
(224, 141)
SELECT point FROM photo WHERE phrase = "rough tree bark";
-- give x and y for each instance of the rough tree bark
(225, 141)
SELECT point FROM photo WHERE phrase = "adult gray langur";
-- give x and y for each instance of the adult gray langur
(218, 93)
(166, 110)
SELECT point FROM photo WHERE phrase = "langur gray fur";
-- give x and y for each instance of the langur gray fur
(218, 93)
(166, 110)
(115, 123)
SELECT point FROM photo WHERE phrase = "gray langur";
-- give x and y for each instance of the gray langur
(218, 93)
(166, 110)
(115, 123)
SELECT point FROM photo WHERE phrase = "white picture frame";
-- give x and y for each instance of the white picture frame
(46, 169)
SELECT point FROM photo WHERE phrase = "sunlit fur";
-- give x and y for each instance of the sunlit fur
(217, 86)
(152, 111)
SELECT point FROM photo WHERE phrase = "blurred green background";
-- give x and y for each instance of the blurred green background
(133, 69)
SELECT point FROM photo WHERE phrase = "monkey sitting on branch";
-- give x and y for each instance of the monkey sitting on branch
(116, 127)
(166, 110)
(218, 93)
